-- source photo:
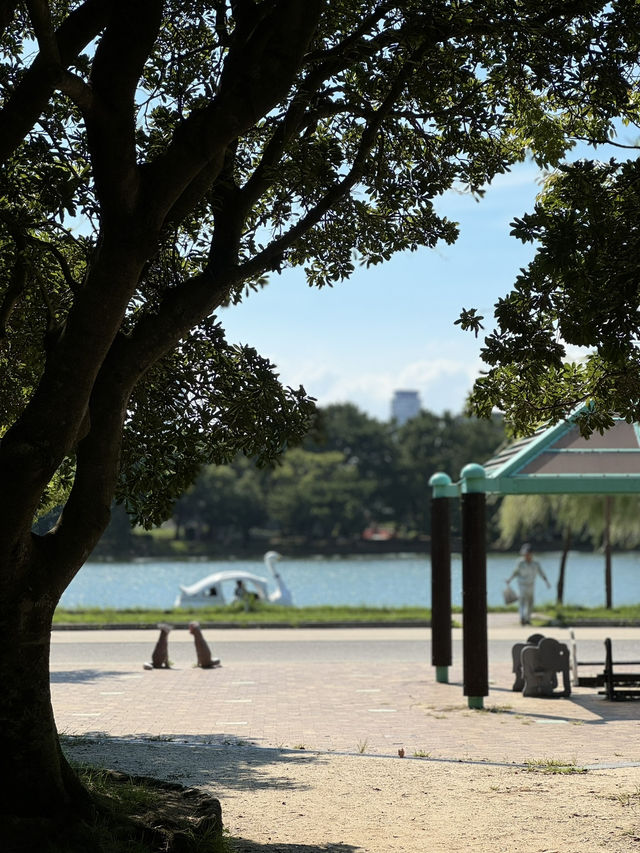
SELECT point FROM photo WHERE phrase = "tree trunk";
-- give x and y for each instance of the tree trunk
(607, 551)
(39, 783)
(566, 544)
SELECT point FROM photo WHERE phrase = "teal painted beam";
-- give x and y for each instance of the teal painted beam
(565, 484)
(593, 451)
(540, 484)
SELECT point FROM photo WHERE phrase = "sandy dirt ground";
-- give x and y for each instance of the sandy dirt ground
(297, 801)
(467, 781)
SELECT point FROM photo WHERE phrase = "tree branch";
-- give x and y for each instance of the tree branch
(355, 41)
(264, 260)
(258, 72)
(606, 141)
(77, 91)
(31, 95)
(17, 281)
(53, 419)
(88, 508)
(185, 305)
(324, 65)
(111, 124)
(43, 27)
(72, 284)
(7, 11)
(295, 119)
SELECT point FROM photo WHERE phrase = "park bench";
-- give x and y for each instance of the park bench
(536, 664)
(617, 685)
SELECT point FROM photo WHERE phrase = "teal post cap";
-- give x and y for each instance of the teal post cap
(439, 479)
(442, 485)
(473, 478)
(472, 471)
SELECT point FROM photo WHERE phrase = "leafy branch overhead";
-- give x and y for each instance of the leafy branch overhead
(580, 294)
(160, 161)
(567, 334)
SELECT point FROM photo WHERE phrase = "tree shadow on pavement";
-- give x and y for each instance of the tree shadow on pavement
(225, 762)
(242, 846)
(606, 710)
(79, 676)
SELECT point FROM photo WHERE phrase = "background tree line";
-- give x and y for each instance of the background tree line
(352, 475)
(356, 480)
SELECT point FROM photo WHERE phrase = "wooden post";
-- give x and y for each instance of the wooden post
(441, 655)
(474, 587)
(608, 591)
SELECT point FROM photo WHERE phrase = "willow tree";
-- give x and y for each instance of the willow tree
(606, 520)
(158, 160)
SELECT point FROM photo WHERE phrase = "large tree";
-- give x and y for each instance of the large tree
(223, 504)
(318, 495)
(567, 334)
(157, 161)
(367, 445)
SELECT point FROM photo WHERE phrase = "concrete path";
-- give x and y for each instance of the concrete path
(352, 704)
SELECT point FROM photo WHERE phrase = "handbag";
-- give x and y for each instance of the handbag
(509, 595)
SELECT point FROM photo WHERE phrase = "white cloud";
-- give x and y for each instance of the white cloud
(442, 382)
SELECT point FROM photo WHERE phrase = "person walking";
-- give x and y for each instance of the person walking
(526, 572)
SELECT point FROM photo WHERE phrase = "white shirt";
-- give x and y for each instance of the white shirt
(526, 572)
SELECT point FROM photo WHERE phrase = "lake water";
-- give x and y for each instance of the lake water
(391, 581)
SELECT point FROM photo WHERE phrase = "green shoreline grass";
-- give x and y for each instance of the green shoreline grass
(234, 614)
(569, 614)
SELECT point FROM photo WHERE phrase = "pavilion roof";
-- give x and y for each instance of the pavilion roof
(559, 460)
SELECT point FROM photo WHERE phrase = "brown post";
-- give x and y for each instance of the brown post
(441, 655)
(475, 646)
(608, 501)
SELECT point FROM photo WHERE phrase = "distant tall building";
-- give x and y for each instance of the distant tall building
(404, 406)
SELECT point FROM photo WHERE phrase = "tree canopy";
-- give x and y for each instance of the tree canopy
(158, 161)
(568, 332)
(353, 474)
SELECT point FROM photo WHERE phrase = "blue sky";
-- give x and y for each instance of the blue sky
(392, 326)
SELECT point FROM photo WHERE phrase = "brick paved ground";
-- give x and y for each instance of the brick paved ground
(344, 707)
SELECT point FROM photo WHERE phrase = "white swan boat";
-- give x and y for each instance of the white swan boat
(222, 587)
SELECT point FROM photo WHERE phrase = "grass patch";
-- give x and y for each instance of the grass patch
(553, 766)
(628, 798)
(133, 814)
(270, 614)
(235, 614)
(569, 614)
